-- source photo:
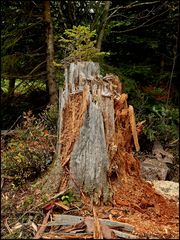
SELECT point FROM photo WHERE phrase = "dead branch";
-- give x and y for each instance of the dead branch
(43, 226)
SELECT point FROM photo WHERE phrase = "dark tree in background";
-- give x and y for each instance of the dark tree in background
(50, 53)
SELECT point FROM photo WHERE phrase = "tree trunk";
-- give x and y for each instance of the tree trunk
(96, 133)
(50, 54)
(103, 25)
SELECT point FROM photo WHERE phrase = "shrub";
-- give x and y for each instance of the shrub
(162, 123)
(29, 152)
(49, 117)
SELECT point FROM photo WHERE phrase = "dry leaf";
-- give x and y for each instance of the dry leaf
(49, 205)
(34, 226)
(17, 226)
(110, 217)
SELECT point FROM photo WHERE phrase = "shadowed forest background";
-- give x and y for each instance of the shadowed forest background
(141, 39)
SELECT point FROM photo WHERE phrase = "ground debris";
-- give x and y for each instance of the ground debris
(71, 226)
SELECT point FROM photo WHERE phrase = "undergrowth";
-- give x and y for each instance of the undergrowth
(31, 150)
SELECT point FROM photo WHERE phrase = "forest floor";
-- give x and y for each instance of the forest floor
(24, 208)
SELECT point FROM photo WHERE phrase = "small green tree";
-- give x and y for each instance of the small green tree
(79, 45)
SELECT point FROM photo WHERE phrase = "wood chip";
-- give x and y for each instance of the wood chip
(133, 127)
(74, 228)
(97, 234)
(124, 235)
(61, 205)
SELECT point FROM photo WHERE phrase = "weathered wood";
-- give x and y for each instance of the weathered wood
(89, 158)
(133, 127)
(124, 235)
(53, 235)
(65, 220)
(87, 153)
(96, 130)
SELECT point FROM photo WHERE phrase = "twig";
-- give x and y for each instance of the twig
(171, 77)
(26, 213)
(173, 142)
(43, 226)
(36, 68)
(7, 226)
(142, 25)
(14, 124)
(2, 183)
(135, 4)
(56, 196)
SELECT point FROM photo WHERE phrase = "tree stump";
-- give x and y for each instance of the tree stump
(97, 132)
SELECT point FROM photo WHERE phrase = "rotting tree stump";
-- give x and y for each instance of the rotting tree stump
(97, 132)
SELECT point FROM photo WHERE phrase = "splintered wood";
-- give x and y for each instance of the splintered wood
(97, 125)
(97, 137)
(70, 226)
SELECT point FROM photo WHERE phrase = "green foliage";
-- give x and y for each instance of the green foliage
(22, 86)
(22, 40)
(162, 123)
(50, 118)
(67, 198)
(29, 152)
(79, 45)
(138, 73)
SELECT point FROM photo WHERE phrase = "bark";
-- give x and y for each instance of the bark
(103, 25)
(96, 134)
(50, 54)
